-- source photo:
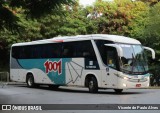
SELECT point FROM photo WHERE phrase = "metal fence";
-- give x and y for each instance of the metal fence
(4, 78)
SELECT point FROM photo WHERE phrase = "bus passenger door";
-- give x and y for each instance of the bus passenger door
(110, 69)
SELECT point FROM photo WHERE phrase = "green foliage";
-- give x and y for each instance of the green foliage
(121, 17)
(8, 20)
(139, 20)
(31, 8)
(152, 31)
(27, 20)
(150, 2)
(37, 8)
(69, 24)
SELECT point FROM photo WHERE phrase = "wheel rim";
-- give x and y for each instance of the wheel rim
(30, 81)
(91, 85)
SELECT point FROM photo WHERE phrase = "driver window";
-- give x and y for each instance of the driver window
(111, 57)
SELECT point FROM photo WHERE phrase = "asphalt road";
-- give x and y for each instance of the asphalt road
(20, 94)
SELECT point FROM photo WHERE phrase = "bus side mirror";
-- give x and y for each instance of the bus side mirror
(152, 51)
(119, 49)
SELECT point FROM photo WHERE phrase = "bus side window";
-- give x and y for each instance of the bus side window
(51, 50)
(69, 50)
(86, 50)
(15, 52)
(22, 53)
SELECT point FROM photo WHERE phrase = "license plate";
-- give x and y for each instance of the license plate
(138, 85)
(136, 76)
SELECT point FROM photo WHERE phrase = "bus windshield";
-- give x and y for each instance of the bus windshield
(134, 60)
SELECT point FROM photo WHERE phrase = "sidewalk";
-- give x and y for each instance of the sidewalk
(16, 83)
(5, 84)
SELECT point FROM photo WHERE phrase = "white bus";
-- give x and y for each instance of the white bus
(93, 61)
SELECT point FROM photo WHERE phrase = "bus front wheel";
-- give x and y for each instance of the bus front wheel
(30, 81)
(92, 85)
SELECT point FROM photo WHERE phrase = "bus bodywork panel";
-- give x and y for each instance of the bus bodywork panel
(59, 71)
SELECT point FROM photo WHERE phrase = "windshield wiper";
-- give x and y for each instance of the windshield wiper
(142, 65)
(137, 61)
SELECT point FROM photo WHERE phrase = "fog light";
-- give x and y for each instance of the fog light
(125, 85)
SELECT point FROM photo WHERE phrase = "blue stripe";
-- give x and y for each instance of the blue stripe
(54, 76)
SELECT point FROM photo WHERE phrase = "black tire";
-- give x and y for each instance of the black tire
(92, 85)
(53, 86)
(30, 81)
(118, 91)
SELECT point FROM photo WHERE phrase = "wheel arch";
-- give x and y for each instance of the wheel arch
(28, 74)
(88, 76)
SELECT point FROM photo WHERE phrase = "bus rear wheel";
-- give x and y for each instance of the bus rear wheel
(118, 91)
(30, 81)
(92, 85)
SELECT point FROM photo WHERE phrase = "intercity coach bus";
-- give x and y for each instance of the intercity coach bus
(94, 61)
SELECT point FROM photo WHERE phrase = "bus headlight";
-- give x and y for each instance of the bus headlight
(125, 85)
(125, 78)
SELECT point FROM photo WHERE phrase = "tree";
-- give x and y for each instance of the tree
(37, 8)
(120, 17)
(32, 8)
(73, 22)
(139, 20)
(150, 2)
(20, 21)
(152, 31)
(8, 19)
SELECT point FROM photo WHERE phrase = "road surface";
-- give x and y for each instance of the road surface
(20, 94)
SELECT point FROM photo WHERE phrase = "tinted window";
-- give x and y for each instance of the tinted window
(52, 50)
(100, 45)
(37, 51)
(15, 52)
(108, 54)
(75, 49)
(85, 49)
(69, 50)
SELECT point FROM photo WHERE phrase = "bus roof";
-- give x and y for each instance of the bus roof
(113, 38)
